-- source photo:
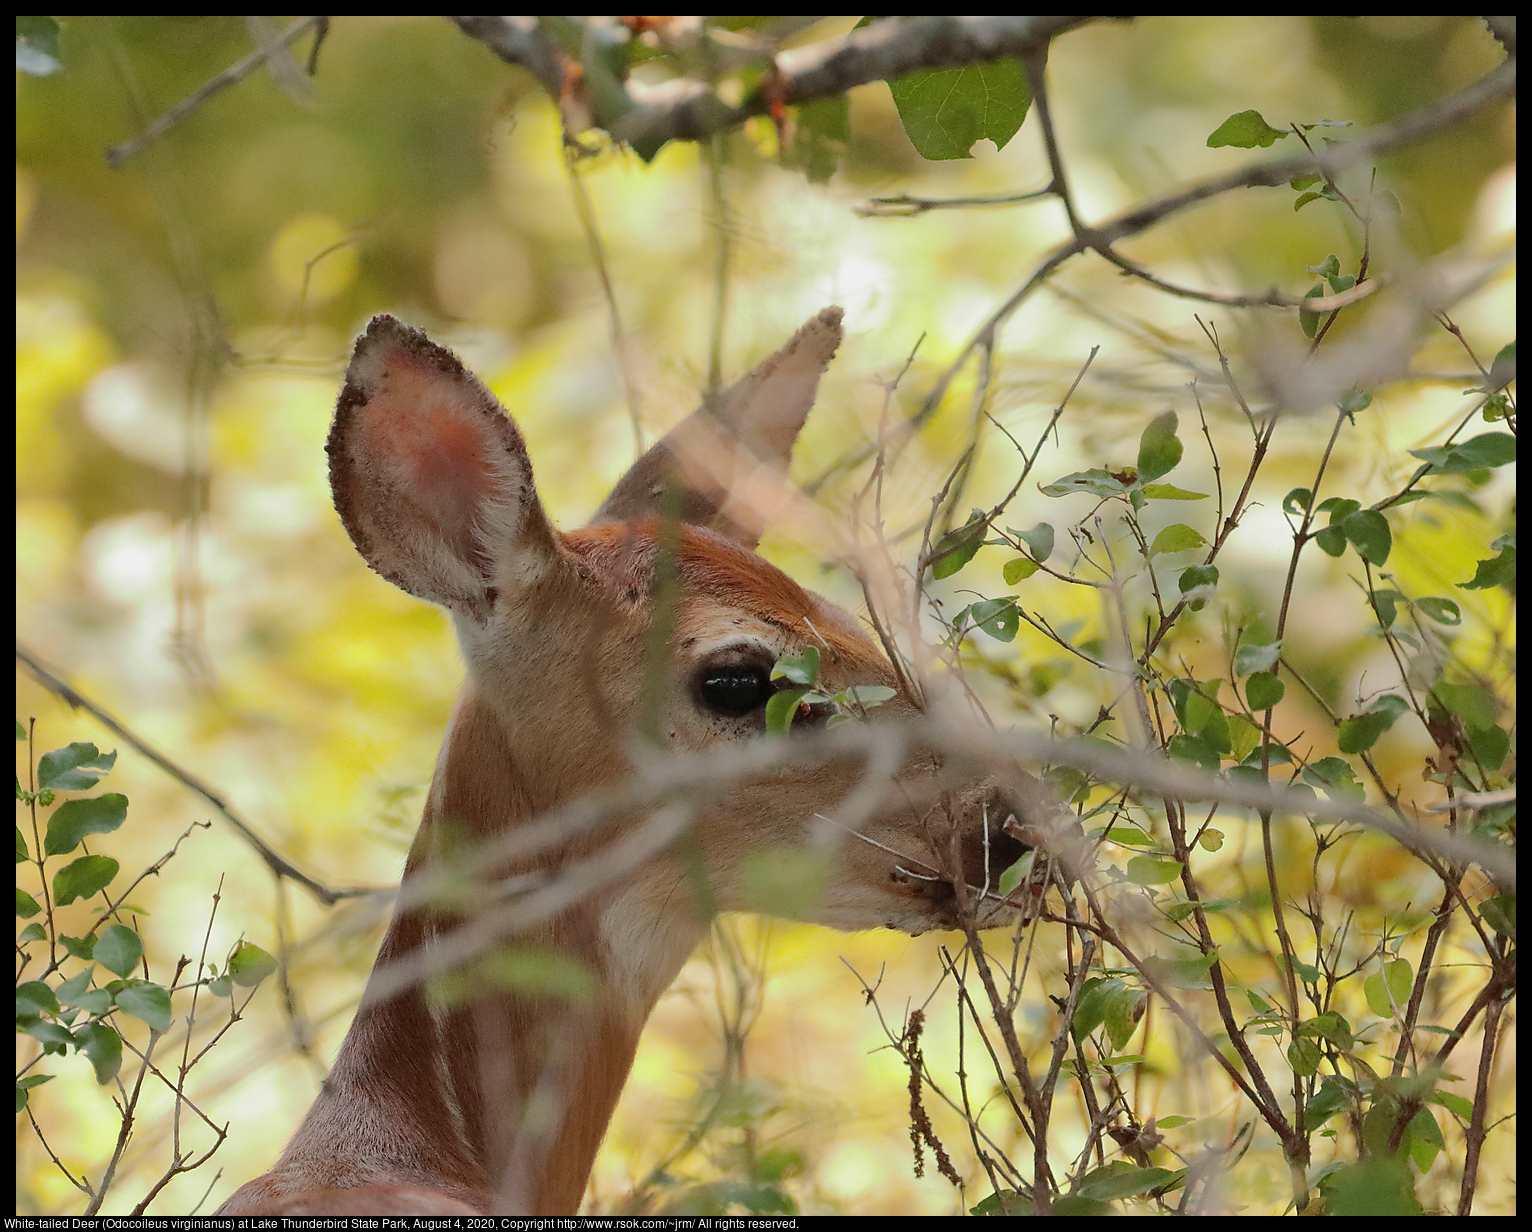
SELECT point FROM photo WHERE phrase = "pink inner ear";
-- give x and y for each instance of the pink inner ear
(430, 432)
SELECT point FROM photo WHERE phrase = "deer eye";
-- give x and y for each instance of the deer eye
(735, 690)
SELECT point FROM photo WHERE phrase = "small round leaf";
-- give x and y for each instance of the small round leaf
(249, 964)
(1264, 690)
(118, 949)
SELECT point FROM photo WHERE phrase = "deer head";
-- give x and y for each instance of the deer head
(590, 654)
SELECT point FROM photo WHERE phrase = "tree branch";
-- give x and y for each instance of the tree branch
(1418, 124)
(279, 866)
(686, 109)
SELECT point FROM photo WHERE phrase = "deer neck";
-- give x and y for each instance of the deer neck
(501, 1098)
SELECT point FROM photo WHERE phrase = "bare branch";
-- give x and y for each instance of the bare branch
(1494, 86)
(685, 109)
(279, 866)
(117, 155)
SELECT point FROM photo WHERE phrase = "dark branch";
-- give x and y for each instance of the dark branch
(276, 863)
(691, 110)
(1418, 124)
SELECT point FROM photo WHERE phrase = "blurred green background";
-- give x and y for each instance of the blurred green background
(182, 327)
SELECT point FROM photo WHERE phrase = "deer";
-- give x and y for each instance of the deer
(655, 626)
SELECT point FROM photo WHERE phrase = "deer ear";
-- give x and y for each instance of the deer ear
(430, 475)
(717, 465)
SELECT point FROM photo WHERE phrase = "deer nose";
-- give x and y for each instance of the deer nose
(986, 850)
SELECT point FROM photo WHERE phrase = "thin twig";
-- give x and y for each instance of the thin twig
(117, 155)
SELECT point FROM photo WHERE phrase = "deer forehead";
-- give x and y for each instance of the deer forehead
(730, 595)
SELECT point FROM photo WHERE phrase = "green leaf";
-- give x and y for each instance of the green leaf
(1248, 774)
(82, 878)
(1331, 1098)
(1490, 745)
(118, 949)
(1165, 491)
(1443, 611)
(1309, 321)
(1159, 450)
(1498, 570)
(1108, 1002)
(1178, 537)
(1332, 1028)
(1181, 972)
(1039, 541)
(865, 696)
(1297, 502)
(34, 999)
(944, 111)
(83, 948)
(1195, 750)
(37, 46)
(1368, 530)
(1254, 657)
(997, 617)
(23, 1085)
(1335, 777)
(26, 905)
(782, 708)
(1424, 1140)
(1216, 733)
(249, 964)
(1489, 449)
(104, 1048)
(1386, 604)
(146, 1001)
(1193, 709)
(1264, 690)
(55, 1038)
(1339, 508)
(957, 547)
(821, 129)
(1002, 1202)
(1502, 370)
(1354, 400)
(1018, 570)
(1121, 1179)
(1244, 736)
(1274, 754)
(75, 767)
(1332, 540)
(1500, 914)
(1476, 706)
(1360, 732)
(1379, 1187)
(1304, 1056)
(1096, 481)
(1016, 874)
(1193, 577)
(800, 669)
(76, 991)
(1146, 871)
(1245, 130)
(1395, 981)
(74, 820)
(1327, 268)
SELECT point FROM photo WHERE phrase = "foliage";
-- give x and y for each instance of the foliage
(1327, 1020)
(799, 677)
(64, 1005)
